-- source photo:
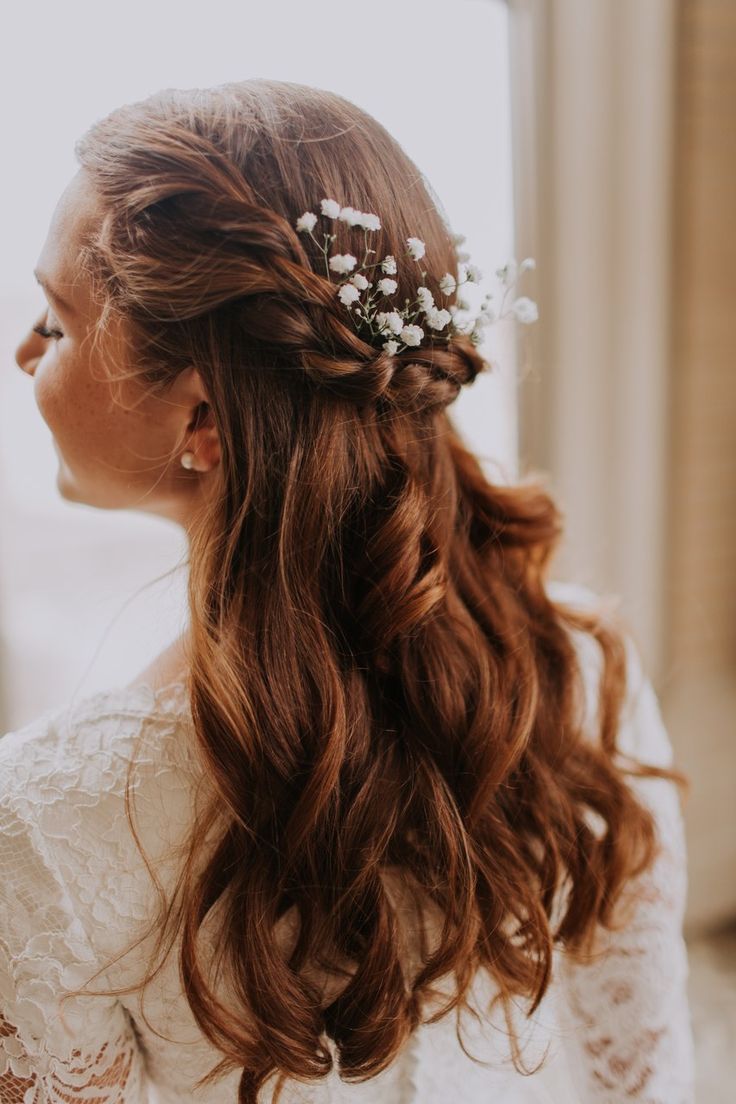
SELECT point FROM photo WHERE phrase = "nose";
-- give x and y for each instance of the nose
(29, 352)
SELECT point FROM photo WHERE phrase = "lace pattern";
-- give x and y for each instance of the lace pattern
(52, 1050)
(626, 1012)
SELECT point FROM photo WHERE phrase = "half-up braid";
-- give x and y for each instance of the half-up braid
(249, 255)
(382, 690)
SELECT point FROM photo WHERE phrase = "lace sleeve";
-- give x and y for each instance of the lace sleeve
(629, 1034)
(53, 1051)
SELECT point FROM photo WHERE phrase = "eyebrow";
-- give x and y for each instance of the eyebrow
(41, 279)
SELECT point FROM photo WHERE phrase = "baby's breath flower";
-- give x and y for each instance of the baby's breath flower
(347, 294)
(330, 208)
(463, 321)
(390, 322)
(412, 335)
(306, 222)
(464, 298)
(438, 319)
(426, 299)
(371, 222)
(351, 216)
(459, 240)
(343, 262)
(415, 247)
(470, 312)
(524, 310)
(508, 273)
(447, 284)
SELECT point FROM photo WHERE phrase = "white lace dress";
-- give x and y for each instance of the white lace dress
(74, 891)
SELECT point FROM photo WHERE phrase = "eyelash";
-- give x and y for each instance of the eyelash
(43, 331)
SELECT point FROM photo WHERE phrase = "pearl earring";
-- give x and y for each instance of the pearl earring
(187, 460)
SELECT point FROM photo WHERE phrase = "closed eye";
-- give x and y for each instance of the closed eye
(43, 331)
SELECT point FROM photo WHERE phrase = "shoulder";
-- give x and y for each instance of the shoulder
(55, 876)
(642, 731)
(85, 747)
(64, 778)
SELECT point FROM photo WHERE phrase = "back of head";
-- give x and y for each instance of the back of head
(379, 680)
(203, 189)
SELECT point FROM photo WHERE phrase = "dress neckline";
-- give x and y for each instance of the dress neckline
(169, 697)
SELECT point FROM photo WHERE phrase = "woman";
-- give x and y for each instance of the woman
(376, 827)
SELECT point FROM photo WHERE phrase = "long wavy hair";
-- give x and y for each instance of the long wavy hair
(381, 685)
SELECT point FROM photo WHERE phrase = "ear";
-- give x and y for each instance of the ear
(196, 427)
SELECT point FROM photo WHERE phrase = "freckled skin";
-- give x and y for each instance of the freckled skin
(118, 447)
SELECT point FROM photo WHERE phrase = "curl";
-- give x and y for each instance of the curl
(386, 700)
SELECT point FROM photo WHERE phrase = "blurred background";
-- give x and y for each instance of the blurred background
(597, 136)
(624, 137)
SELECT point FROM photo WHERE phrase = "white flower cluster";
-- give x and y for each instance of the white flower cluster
(400, 328)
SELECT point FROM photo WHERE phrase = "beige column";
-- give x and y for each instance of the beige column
(700, 588)
(625, 151)
(594, 170)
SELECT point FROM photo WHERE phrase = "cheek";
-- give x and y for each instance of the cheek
(64, 401)
(98, 428)
(48, 391)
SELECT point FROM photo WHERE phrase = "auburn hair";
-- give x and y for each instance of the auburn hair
(382, 689)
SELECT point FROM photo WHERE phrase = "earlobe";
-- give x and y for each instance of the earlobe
(202, 455)
(200, 436)
(208, 448)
